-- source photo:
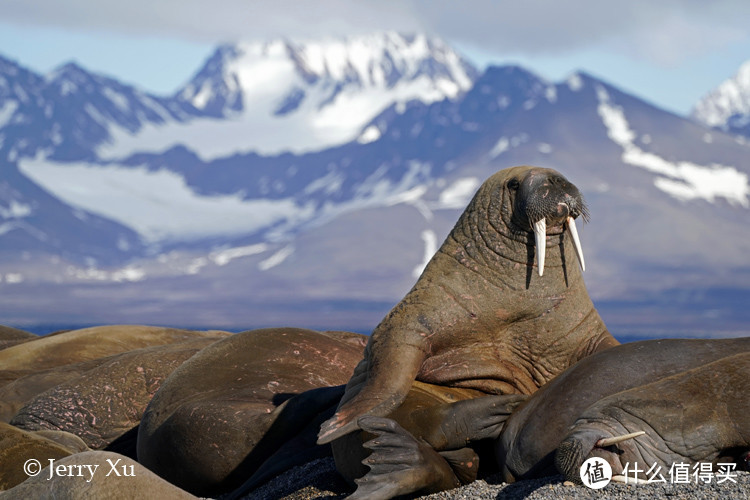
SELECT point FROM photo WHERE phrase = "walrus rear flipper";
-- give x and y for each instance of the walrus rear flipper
(377, 387)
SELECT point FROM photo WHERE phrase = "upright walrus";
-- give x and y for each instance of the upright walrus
(479, 320)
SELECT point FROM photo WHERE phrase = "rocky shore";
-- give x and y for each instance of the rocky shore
(319, 480)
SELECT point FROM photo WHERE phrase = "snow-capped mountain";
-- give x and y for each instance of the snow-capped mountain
(728, 106)
(286, 95)
(36, 112)
(334, 237)
(288, 92)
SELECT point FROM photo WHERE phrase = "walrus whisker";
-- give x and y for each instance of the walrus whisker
(604, 442)
(576, 242)
(540, 235)
(619, 478)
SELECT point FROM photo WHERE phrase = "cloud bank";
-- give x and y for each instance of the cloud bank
(667, 32)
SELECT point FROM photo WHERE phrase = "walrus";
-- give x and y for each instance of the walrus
(10, 336)
(530, 437)
(90, 343)
(17, 446)
(95, 474)
(223, 413)
(479, 320)
(24, 385)
(701, 415)
(105, 402)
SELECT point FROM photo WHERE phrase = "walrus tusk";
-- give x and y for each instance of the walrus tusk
(603, 443)
(540, 235)
(576, 241)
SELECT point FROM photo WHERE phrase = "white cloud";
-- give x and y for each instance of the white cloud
(664, 32)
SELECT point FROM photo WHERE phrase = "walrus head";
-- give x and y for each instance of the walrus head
(547, 203)
(578, 447)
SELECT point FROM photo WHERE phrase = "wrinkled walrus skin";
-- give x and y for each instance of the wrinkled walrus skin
(526, 448)
(104, 403)
(481, 320)
(697, 416)
(479, 317)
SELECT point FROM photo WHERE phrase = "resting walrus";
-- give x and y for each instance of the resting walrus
(701, 415)
(243, 401)
(526, 448)
(479, 320)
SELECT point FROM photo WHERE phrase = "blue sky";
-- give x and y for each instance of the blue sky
(670, 52)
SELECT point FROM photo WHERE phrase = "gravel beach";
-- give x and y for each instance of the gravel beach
(319, 480)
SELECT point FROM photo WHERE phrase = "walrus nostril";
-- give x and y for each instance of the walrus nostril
(568, 459)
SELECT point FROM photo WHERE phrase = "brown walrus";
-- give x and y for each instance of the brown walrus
(526, 448)
(95, 475)
(701, 415)
(85, 344)
(479, 321)
(10, 336)
(18, 446)
(223, 413)
(107, 401)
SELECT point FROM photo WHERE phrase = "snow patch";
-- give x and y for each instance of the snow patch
(329, 183)
(346, 83)
(128, 274)
(117, 99)
(504, 144)
(575, 83)
(551, 93)
(196, 265)
(7, 227)
(430, 247)
(159, 205)
(276, 259)
(14, 278)
(500, 147)
(731, 98)
(371, 134)
(6, 112)
(223, 257)
(15, 210)
(682, 180)
(458, 194)
(377, 191)
(92, 273)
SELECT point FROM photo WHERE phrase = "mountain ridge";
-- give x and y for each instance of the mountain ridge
(334, 234)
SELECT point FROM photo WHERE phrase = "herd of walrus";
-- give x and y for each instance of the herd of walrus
(495, 362)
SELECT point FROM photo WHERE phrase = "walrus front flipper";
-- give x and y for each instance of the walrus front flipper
(399, 464)
(377, 387)
(452, 426)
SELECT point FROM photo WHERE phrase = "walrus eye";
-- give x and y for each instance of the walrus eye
(513, 184)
